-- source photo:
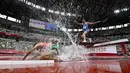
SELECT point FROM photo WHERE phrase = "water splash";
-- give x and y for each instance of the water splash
(74, 51)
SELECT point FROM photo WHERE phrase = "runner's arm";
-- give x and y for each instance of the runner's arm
(92, 22)
(78, 23)
(31, 50)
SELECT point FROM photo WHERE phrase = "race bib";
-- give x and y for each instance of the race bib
(84, 27)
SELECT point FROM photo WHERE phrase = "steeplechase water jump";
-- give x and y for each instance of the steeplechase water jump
(64, 36)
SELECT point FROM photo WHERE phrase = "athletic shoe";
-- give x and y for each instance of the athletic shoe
(84, 41)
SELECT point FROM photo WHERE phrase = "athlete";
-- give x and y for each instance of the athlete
(85, 28)
(42, 51)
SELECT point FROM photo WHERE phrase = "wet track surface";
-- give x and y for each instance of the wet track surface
(90, 66)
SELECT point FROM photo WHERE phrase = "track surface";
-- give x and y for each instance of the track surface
(90, 66)
(95, 64)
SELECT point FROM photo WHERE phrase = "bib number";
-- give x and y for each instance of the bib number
(84, 27)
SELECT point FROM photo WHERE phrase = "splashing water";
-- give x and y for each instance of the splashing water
(74, 51)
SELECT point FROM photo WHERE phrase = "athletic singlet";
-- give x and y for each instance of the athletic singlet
(49, 49)
(43, 48)
(85, 26)
(46, 48)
